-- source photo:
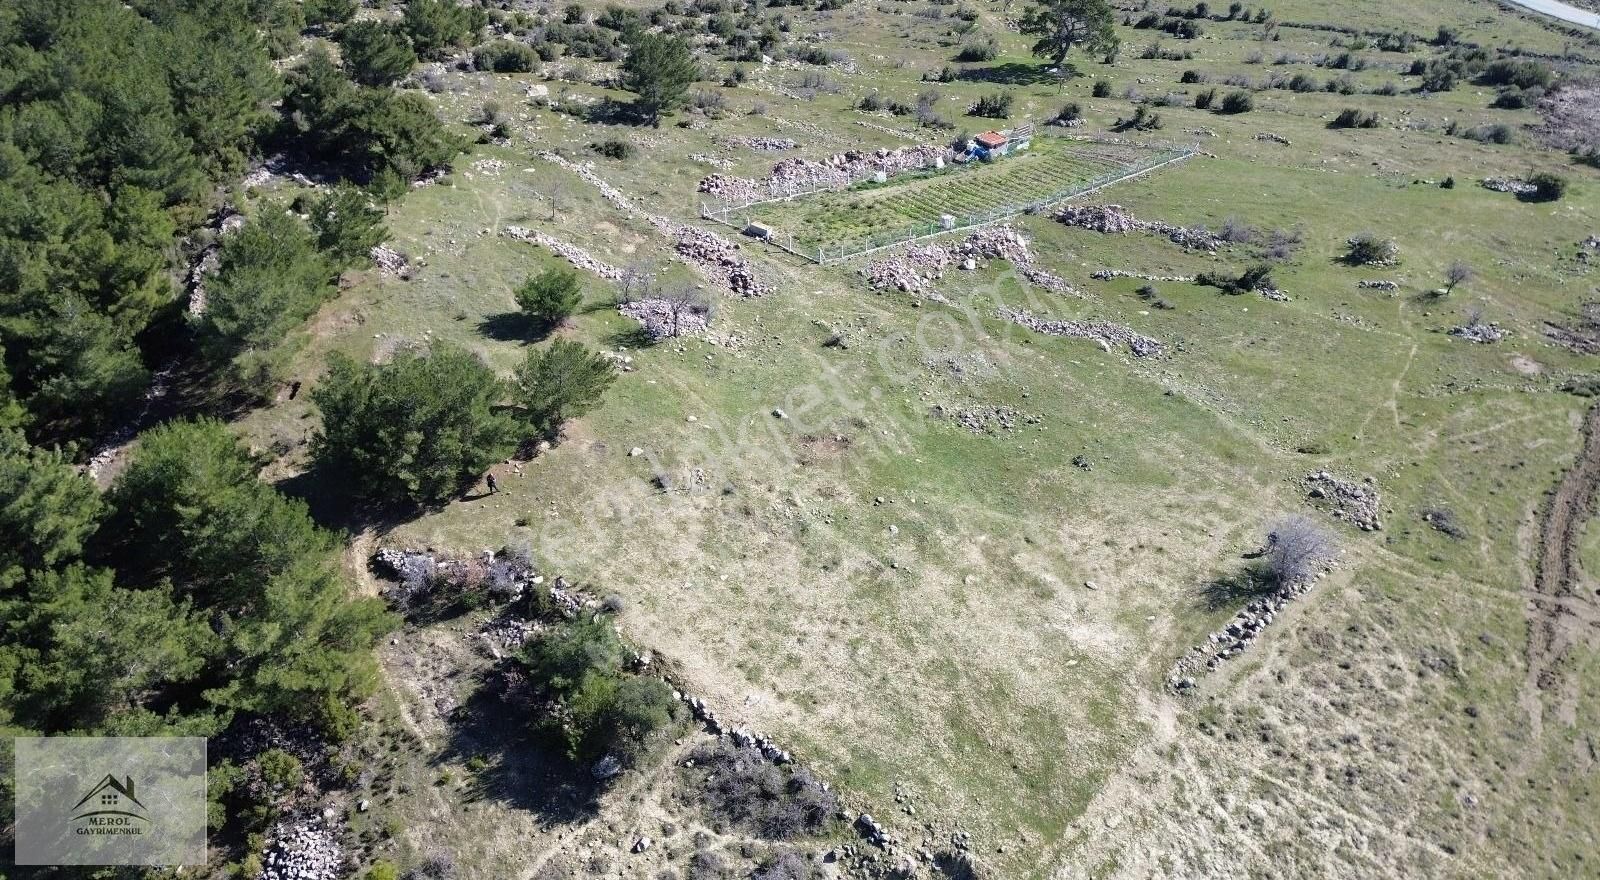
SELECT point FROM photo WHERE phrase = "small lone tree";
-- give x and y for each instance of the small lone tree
(1295, 547)
(1458, 273)
(684, 300)
(1063, 24)
(659, 70)
(564, 381)
(550, 297)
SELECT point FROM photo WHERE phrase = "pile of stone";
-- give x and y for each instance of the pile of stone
(718, 257)
(1007, 244)
(741, 736)
(662, 319)
(731, 189)
(989, 419)
(911, 270)
(1272, 137)
(1480, 332)
(1273, 293)
(506, 575)
(1234, 638)
(489, 166)
(1109, 274)
(713, 161)
(1353, 502)
(573, 254)
(507, 632)
(1513, 185)
(391, 262)
(1378, 285)
(1114, 219)
(843, 169)
(1106, 333)
(721, 260)
(766, 144)
(302, 849)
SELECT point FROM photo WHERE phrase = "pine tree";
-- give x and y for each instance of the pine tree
(550, 297)
(564, 381)
(416, 429)
(659, 70)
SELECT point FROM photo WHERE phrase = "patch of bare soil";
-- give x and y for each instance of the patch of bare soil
(1560, 608)
(1571, 116)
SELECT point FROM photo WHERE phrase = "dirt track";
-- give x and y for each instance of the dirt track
(1559, 610)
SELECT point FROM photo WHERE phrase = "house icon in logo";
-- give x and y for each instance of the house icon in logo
(111, 797)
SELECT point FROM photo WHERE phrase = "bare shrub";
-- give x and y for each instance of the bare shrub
(1444, 520)
(1236, 231)
(1458, 273)
(707, 865)
(1296, 545)
(789, 866)
(744, 788)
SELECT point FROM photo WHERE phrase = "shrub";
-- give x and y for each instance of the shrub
(1522, 74)
(985, 49)
(1237, 102)
(1192, 76)
(382, 871)
(744, 788)
(1257, 277)
(614, 149)
(1499, 133)
(606, 711)
(1301, 83)
(1387, 90)
(995, 106)
(1101, 89)
(549, 297)
(1296, 545)
(871, 103)
(505, 56)
(1367, 249)
(1547, 186)
(1142, 120)
(1205, 99)
(1513, 98)
(1070, 111)
(1351, 117)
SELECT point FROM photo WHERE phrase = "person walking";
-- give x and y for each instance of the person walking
(494, 488)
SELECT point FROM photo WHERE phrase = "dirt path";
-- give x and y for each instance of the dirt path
(1559, 611)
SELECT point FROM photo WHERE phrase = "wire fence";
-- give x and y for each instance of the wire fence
(739, 218)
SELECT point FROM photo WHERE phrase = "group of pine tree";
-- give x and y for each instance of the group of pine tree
(192, 594)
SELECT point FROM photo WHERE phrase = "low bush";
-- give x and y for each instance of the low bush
(994, 106)
(1101, 88)
(505, 56)
(1237, 102)
(1257, 277)
(1351, 117)
(614, 149)
(1205, 99)
(1367, 249)
(743, 788)
(985, 49)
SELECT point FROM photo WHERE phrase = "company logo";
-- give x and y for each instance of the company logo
(110, 807)
(93, 800)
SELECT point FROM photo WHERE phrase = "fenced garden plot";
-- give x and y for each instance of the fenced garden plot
(826, 227)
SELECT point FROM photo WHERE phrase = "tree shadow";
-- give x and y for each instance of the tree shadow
(522, 769)
(510, 327)
(632, 337)
(1018, 73)
(613, 112)
(1237, 588)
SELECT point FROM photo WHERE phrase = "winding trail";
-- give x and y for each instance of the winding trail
(1559, 612)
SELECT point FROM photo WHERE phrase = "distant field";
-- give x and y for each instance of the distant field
(854, 216)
